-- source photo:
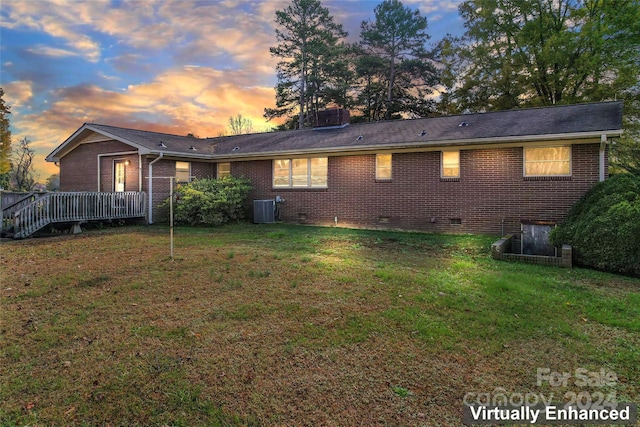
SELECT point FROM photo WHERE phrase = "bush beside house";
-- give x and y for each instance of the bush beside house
(604, 226)
(211, 201)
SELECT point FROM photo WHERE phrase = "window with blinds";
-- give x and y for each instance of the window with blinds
(547, 161)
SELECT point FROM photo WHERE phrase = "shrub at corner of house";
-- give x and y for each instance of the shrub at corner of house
(211, 201)
(604, 226)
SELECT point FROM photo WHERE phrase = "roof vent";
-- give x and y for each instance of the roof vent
(192, 148)
(423, 133)
(463, 124)
(235, 148)
(162, 145)
(359, 137)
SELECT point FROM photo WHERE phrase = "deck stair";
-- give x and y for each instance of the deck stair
(22, 219)
(10, 203)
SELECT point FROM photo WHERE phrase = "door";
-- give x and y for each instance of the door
(120, 175)
(535, 238)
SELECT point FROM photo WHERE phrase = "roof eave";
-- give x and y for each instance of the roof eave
(471, 142)
(181, 155)
(54, 157)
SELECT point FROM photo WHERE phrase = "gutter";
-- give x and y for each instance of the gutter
(151, 187)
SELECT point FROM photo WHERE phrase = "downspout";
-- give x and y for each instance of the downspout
(139, 172)
(603, 145)
(151, 187)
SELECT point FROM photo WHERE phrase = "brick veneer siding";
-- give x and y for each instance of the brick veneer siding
(79, 168)
(491, 189)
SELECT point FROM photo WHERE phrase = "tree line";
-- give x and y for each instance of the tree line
(513, 54)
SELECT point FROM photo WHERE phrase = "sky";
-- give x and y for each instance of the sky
(174, 66)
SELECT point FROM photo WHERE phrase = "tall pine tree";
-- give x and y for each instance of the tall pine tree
(311, 68)
(398, 37)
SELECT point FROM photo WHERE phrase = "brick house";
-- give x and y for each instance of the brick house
(472, 173)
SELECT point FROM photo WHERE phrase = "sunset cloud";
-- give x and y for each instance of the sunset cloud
(177, 66)
(186, 100)
(17, 94)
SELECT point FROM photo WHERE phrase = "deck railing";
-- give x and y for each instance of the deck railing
(11, 202)
(77, 207)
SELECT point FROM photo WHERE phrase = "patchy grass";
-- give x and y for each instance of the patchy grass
(287, 325)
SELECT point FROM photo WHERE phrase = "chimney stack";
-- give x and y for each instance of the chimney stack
(333, 117)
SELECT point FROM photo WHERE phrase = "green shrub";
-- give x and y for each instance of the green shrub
(211, 201)
(604, 226)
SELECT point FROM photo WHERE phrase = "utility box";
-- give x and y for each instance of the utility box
(264, 211)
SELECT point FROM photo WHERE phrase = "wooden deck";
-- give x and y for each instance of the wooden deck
(26, 216)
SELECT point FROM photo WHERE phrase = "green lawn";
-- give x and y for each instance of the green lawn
(292, 325)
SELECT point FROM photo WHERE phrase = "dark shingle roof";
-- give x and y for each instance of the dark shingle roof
(589, 119)
(438, 131)
(152, 140)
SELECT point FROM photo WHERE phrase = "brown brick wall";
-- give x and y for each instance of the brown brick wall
(490, 189)
(79, 168)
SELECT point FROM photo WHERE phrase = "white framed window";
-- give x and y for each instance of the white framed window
(282, 173)
(319, 168)
(183, 171)
(547, 161)
(224, 169)
(300, 173)
(450, 164)
(384, 166)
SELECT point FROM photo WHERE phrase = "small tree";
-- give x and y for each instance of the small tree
(23, 174)
(240, 125)
(53, 182)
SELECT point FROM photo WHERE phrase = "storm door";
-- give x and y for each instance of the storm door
(119, 175)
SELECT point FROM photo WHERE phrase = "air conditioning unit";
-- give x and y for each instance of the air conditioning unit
(264, 211)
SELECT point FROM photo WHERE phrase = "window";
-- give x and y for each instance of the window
(281, 173)
(300, 173)
(319, 171)
(450, 164)
(183, 171)
(547, 161)
(224, 169)
(383, 166)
